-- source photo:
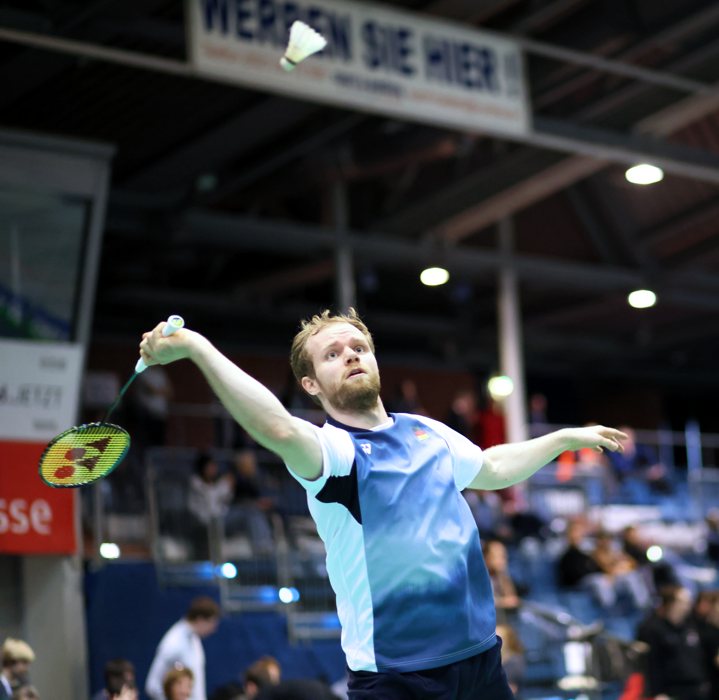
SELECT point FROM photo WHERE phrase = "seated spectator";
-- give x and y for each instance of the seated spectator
(712, 523)
(486, 507)
(506, 597)
(621, 569)
(575, 565)
(210, 492)
(706, 618)
(26, 692)
(249, 509)
(150, 399)
(178, 683)
(537, 415)
(513, 660)
(463, 415)
(657, 574)
(674, 664)
(117, 673)
(16, 659)
(406, 399)
(263, 682)
(208, 499)
(639, 461)
(122, 691)
(576, 568)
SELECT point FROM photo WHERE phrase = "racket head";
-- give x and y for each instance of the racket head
(83, 454)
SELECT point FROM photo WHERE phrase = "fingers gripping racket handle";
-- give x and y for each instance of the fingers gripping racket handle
(174, 323)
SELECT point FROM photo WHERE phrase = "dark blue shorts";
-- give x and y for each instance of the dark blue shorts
(478, 677)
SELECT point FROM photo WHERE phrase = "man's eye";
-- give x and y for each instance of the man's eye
(359, 348)
(331, 355)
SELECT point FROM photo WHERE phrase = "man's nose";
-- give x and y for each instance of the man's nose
(350, 355)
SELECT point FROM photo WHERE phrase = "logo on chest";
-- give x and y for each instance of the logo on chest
(420, 434)
(366, 448)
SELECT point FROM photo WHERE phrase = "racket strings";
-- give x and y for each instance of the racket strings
(84, 454)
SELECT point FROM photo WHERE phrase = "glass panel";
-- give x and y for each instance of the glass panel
(41, 249)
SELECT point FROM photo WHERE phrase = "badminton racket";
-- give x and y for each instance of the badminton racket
(88, 452)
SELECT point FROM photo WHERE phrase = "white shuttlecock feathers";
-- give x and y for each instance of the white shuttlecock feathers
(304, 41)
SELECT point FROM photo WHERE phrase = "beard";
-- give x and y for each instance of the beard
(357, 395)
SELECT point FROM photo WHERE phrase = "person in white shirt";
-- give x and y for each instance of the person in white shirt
(181, 646)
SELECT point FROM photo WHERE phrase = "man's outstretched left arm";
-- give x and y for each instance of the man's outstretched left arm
(505, 465)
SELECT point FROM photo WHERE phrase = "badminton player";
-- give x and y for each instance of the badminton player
(403, 551)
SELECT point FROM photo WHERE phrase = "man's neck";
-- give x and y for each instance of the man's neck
(364, 420)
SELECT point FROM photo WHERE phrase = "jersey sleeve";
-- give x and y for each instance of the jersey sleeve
(467, 457)
(337, 457)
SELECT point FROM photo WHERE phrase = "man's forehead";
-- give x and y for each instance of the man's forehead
(334, 332)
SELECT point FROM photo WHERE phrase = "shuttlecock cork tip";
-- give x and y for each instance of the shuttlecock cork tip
(304, 41)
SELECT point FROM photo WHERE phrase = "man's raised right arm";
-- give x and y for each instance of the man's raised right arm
(249, 402)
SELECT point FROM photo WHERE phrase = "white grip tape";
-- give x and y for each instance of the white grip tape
(174, 323)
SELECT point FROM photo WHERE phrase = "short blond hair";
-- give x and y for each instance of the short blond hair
(16, 650)
(300, 360)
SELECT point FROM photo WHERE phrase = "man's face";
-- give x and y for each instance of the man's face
(346, 375)
(204, 627)
(19, 672)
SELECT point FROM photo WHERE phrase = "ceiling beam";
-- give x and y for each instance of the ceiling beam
(598, 150)
(246, 130)
(246, 233)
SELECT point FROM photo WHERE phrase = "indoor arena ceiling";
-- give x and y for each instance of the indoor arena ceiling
(223, 198)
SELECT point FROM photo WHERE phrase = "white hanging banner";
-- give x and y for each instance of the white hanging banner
(377, 60)
(39, 389)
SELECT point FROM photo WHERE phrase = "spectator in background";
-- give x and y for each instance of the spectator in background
(491, 425)
(122, 691)
(641, 462)
(578, 569)
(621, 569)
(506, 597)
(674, 663)
(706, 618)
(657, 574)
(17, 656)
(117, 673)
(210, 492)
(537, 416)
(151, 398)
(249, 509)
(177, 683)
(208, 500)
(463, 414)
(513, 659)
(29, 692)
(406, 399)
(712, 522)
(182, 644)
(263, 682)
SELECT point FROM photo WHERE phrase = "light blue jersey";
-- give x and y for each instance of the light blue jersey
(403, 551)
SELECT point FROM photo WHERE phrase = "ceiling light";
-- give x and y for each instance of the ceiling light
(644, 174)
(434, 276)
(642, 298)
(500, 387)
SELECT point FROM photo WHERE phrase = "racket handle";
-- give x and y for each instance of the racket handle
(174, 323)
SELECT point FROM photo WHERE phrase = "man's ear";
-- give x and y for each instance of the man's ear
(310, 386)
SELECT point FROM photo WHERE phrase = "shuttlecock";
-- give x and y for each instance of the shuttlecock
(304, 41)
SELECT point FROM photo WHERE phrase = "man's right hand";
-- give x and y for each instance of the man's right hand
(157, 349)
